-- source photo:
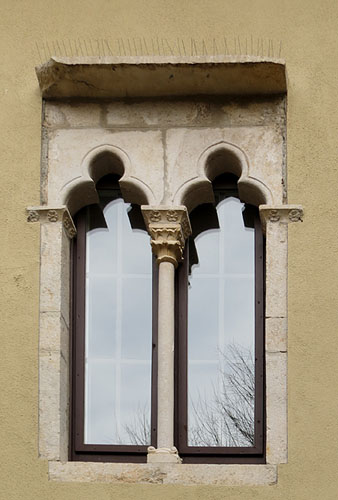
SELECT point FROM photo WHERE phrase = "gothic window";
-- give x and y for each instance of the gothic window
(220, 338)
(113, 390)
(165, 129)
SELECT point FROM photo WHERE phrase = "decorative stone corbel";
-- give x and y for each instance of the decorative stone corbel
(52, 214)
(168, 227)
(281, 213)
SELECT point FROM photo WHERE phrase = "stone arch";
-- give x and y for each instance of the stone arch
(217, 159)
(100, 161)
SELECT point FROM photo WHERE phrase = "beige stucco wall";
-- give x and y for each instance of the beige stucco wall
(308, 31)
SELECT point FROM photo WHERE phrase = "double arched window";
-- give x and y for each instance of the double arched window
(168, 155)
(219, 376)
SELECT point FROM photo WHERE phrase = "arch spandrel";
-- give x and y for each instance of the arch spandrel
(77, 159)
(218, 158)
(100, 161)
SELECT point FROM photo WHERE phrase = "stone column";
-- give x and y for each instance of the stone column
(168, 227)
(56, 230)
(275, 220)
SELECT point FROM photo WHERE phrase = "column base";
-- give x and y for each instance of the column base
(163, 455)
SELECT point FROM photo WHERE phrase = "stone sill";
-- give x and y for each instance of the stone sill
(157, 76)
(183, 474)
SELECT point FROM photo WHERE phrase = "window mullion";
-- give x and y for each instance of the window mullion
(168, 229)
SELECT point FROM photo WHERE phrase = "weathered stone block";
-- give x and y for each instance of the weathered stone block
(49, 406)
(276, 334)
(143, 148)
(276, 269)
(276, 408)
(54, 333)
(184, 148)
(51, 259)
(186, 474)
(74, 115)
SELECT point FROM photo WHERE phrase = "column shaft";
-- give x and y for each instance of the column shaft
(166, 333)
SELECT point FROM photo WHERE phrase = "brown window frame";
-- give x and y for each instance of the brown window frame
(79, 451)
(224, 186)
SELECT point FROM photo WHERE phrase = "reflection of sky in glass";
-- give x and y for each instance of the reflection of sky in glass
(221, 315)
(118, 330)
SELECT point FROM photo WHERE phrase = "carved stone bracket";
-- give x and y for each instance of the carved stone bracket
(282, 214)
(168, 227)
(52, 214)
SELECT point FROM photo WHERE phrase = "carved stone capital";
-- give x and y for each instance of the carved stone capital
(280, 214)
(45, 214)
(168, 227)
(163, 455)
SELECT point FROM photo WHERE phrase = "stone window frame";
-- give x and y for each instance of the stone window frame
(60, 78)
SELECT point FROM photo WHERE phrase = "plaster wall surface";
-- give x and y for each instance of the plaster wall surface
(309, 45)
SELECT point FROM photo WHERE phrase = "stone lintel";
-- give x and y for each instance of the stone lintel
(280, 213)
(52, 214)
(160, 76)
(168, 227)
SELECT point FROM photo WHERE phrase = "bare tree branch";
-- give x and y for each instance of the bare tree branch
(138, 430)
(228, 418)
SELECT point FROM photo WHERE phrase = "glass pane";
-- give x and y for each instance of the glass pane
(118, 328)
(221, 333)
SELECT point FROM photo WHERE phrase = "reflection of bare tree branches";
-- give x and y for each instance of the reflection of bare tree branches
(227, 418)
(138, 430)
(224, 419)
